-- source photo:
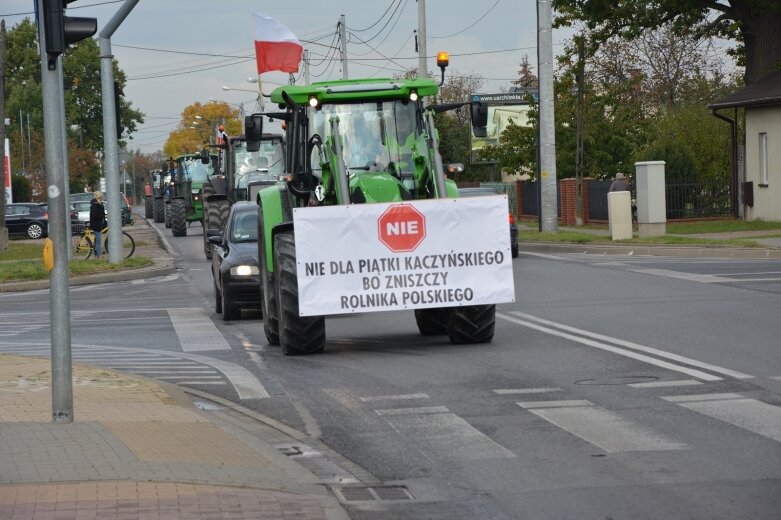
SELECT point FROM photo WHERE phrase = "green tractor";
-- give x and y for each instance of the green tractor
(184, 200)
(348, 143)
(245, 172)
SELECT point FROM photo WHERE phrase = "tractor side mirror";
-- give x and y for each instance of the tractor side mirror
(253, 131)
(479, 113)
(165, 167)
(205, 159)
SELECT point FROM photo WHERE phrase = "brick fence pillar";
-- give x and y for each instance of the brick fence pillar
(568, 190)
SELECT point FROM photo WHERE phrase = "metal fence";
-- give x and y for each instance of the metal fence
(697, 200)
(507, 188)
(530, 199)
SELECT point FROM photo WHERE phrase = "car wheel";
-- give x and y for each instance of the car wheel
(514, 250)
(217, 300)
(35, 230)
(229, 311)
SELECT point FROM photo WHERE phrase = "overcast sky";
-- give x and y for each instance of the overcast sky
(161, 84)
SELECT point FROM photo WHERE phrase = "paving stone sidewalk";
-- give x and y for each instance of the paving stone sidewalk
(137, 449)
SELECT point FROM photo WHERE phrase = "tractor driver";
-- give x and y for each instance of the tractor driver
(401, 144)
(364, 147)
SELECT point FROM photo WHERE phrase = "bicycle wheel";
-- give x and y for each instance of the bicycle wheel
(128, 245)
(81, 246)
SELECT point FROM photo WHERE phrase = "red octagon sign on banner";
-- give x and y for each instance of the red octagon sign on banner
(401, 228)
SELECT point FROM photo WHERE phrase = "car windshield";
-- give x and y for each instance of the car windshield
(267, 164)
(373, 135)
(245, 226)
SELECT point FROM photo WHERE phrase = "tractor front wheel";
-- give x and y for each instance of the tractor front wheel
(472, 324)
(432, 322)
(297, 334)
(158, 210)
(178, 218)
(149, 206)
(168, 216)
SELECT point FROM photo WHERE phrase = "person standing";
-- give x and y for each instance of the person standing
(620, 183)
(97, 219)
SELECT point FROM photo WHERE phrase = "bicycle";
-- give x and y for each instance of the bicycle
(83, 244)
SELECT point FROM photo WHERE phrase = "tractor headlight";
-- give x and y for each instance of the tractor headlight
(244, 270)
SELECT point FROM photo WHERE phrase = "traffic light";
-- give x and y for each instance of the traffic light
(61, 30)
(117, 93)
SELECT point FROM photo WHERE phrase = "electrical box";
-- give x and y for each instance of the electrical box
(651, 201)
(619, 214)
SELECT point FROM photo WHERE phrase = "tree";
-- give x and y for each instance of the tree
(754, 24)
(198, 127)
(526, 78)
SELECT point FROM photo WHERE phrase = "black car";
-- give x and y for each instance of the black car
(235, 262)
(478, 192)
(27, 219)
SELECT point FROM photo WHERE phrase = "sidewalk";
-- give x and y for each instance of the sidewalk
(137, 449)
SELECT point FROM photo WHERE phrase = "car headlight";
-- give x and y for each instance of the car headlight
(244, 270)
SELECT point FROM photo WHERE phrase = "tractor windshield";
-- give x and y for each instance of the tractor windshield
(195, 170)
(377, 136)
(265, 164)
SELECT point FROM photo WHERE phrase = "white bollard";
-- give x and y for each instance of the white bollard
(619, 214)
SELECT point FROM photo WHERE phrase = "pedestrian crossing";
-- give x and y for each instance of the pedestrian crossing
(443, 435)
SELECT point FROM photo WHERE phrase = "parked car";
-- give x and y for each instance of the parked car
(478, 192)
(86, 197)
(235, 266)
(27, 219)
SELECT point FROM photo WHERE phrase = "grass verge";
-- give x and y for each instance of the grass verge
(572, 237)
(23, 261)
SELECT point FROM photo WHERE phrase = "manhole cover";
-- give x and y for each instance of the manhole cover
(624, 380)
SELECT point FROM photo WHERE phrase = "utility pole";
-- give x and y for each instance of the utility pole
(306, 67)
(580, 73)
(110, 138)
(3, 230)
(343, 47)
(422, 66)
(547, 149)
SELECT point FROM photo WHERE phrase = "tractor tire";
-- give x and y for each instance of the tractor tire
(432, 322)
(149, 206)
(297, 334)
(158, 210)
(215, 215)
(472, 324)
(268, 289)
(178, 218)
(168, 214)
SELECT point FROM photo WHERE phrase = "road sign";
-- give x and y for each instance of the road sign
(401, 228)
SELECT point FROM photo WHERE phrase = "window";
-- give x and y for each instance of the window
(763, 159)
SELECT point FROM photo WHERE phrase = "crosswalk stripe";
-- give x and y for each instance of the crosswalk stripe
(602, 428)
(196, 331)
(664, 384)
(520, 391)
(752, 415)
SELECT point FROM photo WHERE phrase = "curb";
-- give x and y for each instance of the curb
(652, 250)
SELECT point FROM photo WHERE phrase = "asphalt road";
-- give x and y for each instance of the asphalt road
(615, 387)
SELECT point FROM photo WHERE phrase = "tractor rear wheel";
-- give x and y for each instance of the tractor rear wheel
(178, 218)
(158, 210)
(297, 334)
(149, 206)
(214, 217)
(168, 214)
(432, 322)
(472, 324)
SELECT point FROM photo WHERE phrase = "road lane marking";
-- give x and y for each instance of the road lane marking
(196, 331)
(555, 404)
(691, 277)
(517, 391)
(602, 428)
(664, 384)
(752, 415)
(563, 331)
(399, 397)
(443, 434)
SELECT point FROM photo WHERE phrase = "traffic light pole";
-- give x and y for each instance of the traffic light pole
(110, 138)
(59, 300)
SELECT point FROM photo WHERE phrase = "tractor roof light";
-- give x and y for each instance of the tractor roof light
(413, 95)
(313, 101)
(443, 60)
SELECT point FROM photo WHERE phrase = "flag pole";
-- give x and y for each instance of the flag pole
(260, 93)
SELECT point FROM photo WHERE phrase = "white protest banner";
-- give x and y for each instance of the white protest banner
(404, 255)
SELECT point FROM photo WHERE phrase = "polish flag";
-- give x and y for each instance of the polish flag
(276, 48)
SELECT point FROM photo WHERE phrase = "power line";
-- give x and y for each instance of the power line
(471, 25)
(378, 19)
(377, 34)
(190, 71)
(74, 7)
(391, 29)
